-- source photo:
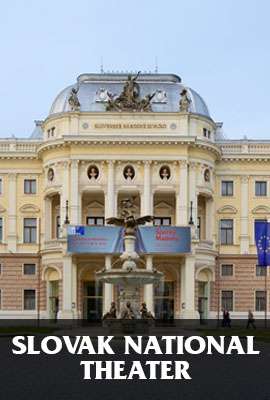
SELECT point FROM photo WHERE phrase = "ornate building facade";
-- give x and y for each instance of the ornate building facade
(109, 137)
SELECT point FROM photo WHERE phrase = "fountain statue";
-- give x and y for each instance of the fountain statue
(130, 278)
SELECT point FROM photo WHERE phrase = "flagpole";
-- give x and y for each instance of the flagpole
(265, 308)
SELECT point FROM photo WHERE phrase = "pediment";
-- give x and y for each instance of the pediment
(94, 204)
(261, 210)
(227, 210)
(29, 208)
(163, 204)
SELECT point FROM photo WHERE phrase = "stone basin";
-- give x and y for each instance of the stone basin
(134, 277)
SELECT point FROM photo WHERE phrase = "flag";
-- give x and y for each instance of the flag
(262, 238)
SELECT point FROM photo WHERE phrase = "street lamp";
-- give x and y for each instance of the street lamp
(191, 217)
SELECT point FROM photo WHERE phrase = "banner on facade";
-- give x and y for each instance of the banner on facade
(109, 240)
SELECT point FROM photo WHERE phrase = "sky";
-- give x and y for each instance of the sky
(219, 48)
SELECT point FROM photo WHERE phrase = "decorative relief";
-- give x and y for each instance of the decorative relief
(207, 175)
(129, 173)
(165, 173)
(50, 174)
(103, 95)
(160, 97)
(93, 172)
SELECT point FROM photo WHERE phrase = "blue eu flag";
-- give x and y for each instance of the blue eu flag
(262, 238)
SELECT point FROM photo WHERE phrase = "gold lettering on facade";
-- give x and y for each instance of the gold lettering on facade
(130, 126)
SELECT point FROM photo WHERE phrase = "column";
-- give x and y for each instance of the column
(12, 213)
(193, 195)
(147, 209)
(64, 193)
(188, 309)
(209, 220)
(110, 203)
(75, 310)
(108, 288)
(149, 289)
(244, 236)
(67, 289)
(182, 197)
(47, 220)
(147, 205)
(110, 211)
(74, 205)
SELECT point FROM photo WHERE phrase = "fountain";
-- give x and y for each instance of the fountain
(130, 277)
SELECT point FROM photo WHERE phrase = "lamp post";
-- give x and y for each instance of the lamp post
(191, 217)
(66, 219)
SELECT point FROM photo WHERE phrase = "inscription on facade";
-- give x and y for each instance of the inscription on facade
(130, 126)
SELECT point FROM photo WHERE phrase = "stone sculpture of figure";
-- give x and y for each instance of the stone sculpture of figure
(129, 98)
(128, 221)
(112, 313)
(184, 101)
(73, 100)
(127, 312)
(131, 89)
(145, 314)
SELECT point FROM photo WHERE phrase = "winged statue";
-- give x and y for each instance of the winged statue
(127, 219)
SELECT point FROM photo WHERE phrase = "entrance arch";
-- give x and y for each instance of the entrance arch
(91, 294)
(52, 276)
(204, 277)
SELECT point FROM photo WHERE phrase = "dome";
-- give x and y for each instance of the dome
(94, 89)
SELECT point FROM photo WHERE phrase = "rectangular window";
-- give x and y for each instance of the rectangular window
(95, 220)
(226, 270)
(0, 299)
(227, 188)
(166, 221)
(30, 186)
(226, 231)
(260, 271)
(260, 188)
(1, 186)
(30, 230)
(0, 269)
(204, 132)
(199, 227)
(227, 300)
(260, 300)
(1, 229)
(58, 227)
(29, 299)
(29, 269)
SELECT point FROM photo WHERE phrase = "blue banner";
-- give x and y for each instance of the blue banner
(262, 238)
(95, 239)
(163, 239)
(109, 240)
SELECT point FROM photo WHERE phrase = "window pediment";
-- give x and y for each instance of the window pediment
(261, 210)
(29, 208)
(227, 210)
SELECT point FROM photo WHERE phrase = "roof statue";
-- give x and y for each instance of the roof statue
(73, 100)
(184, 101)
(129, 98)
(127, 220)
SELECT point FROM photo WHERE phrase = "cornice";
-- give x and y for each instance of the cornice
(135, 139)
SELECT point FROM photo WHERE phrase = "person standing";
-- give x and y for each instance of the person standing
(251, 320)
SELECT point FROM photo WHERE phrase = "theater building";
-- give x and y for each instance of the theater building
(109, 137)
